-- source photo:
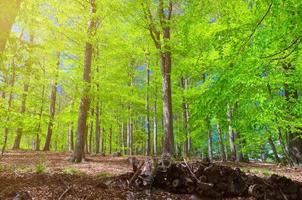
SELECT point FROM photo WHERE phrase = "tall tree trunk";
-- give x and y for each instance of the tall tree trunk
(239, 156)
(185, 108)
(10, 101)
(129, 136)
(9, 10)
(221, 143)
(164, 48)
(91, 133)
(231, 134)
(155, 129)
(23, 105)
(148, 142)
(97, 128)
(284, 149)
(85, 100)
(70, 137)
(110, 140)
(37, 147)
(52, 110)
(271, 142)
(210, 145)
(86, 139)
(103, 141)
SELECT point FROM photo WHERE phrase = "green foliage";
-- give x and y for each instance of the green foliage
(40, 168)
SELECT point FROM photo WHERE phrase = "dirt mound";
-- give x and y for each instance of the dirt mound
(205, 179)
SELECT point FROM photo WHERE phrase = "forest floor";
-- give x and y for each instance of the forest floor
(41, 175)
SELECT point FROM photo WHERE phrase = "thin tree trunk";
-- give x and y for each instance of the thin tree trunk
(210, 145)
(10, 101)
(52, 110)
(271, 142)
(155, 129)
(221, 143)
(123, 138)
(231, 134)
(185, 119)
(70, 137)
(110, 140)
(103, 141)
(91, 133)
(85, 100)
(148, 151)
(129, 137)
(22, 111)
(239, 156)
(40, 118)
(97, 129)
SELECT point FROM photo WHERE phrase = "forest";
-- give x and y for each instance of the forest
(93, 81)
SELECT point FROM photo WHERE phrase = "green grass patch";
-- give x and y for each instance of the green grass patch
(73, 171)
(258, 171)
(103, 175)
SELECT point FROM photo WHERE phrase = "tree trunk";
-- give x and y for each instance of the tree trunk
(70, 137)
(52, 111)
(148, 142)
(155, 129)
(129, 136)
(90, 133)
(239, 156)
(163, 46)
(294, 138)
(271, 142)
(167, 110)
(123, 138)
(210, 145)
(10, 101)
(37, 147)
(85, 100)
(231, 134)
(9, 10)
(221, 144)
(97, 128)
(110, 140)
(23, 106)
(185, 119)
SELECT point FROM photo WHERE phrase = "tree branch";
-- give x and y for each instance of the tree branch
(257, 25)
(296, 41)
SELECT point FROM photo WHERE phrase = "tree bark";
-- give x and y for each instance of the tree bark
(231, 134)
(70, 137)
(52, 110)
(210, 145)
(155, 129)
(97, 128)
(271, 142)
(185, 108)
(85, 100)
(239, 156)
(148, 142)
(38, 141)
(221, 143)
(166, 62)
(24, 99)
(10, 101)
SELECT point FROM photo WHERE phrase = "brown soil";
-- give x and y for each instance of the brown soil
(61, 179)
